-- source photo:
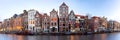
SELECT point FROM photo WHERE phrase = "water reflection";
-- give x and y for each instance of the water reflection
(108, 36)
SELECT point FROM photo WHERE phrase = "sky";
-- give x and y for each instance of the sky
(107, 8)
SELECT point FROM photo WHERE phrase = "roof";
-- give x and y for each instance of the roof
(63, 4)
(81, 16)
(0, 22)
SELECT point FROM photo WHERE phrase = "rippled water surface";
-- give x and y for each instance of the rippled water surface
(107, 36)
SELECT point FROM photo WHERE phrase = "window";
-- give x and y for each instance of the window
(32, 22)
(55, 23)
(63, 19)
(63, 24)
(52, 24)
(63, 10)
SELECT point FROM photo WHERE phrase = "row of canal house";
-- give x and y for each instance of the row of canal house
(80, 23)
(33, 21)
(15, 23)
(98, 24)
(113, 25)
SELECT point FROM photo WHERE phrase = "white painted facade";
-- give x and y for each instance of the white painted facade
(31, 20)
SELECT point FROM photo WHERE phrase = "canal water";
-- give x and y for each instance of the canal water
(105, 36)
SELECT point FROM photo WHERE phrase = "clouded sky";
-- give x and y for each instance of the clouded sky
(108, 8)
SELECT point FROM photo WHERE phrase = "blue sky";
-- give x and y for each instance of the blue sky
(107, 8)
